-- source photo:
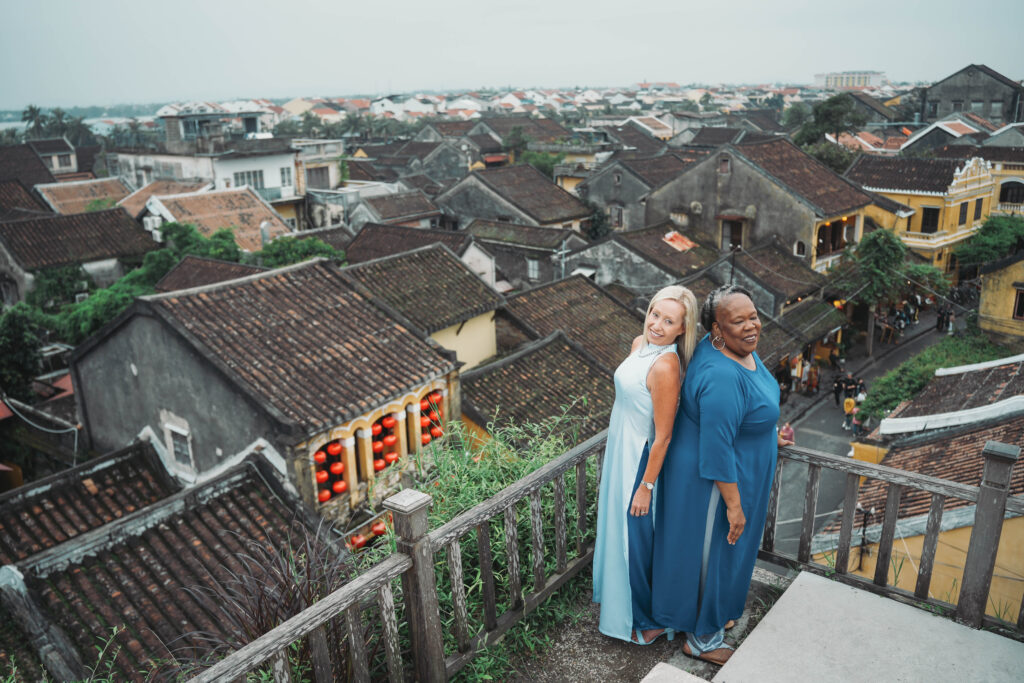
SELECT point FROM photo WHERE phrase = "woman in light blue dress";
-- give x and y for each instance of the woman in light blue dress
(646, 395)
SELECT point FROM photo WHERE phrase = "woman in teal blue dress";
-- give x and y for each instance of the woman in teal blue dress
(716, 479)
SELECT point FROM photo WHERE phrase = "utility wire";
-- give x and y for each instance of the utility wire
(7, 402)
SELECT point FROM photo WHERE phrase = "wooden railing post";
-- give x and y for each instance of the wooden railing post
(988, 524)
(419, 588)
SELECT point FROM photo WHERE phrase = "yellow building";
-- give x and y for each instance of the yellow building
(1001, 312)
(950, 199)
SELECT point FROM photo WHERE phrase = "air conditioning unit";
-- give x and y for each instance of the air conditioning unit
(151, 223)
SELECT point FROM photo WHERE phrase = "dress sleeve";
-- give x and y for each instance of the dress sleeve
(722, 407)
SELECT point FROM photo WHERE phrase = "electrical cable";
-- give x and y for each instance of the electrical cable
(45, 429)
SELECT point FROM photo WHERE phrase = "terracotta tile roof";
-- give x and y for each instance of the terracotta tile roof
(19, 162)
(53, 510)
(650, 243)
(51, 146)
(156, 574)
(701, 285)
(971, 389)
(196, 271)
(529, 190)
(657, 170)
(776, 267)
(302, 341)
(538, 130)
(903, 173)
(762, 119)
(632, 136)
(61, 240)
(75, 197)
(523, 235)
(423, 183)
(587, 315)
(418, 150)
(983, 122)
(712, 136)
(430, 286)
(17, 202)
(953, 455)
(874, 105)
(86, 156)
(376, 240)
(486, 143)
(402, 206)
(337, 237)
(777, 341)
(813, 319)
(1013, 155)
(958, 127)
(240, 209)
(363, 169)
(810, 179)
(452, 129)
(538, 382)
(135, 203)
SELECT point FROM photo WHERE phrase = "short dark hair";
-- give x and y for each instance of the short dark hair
(715, 297)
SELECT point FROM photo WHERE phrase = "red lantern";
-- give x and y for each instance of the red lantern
(321, 476)
(424, 421)
(376, 429)
(388, 422)
(390, 440)
(424, 405)
(340, 486)
(319, 457)
(379, 464)
(334, 447)
(379, 528)
(425, 439)
(358, 540)
(436, 432)
(432, 415)
(337, 468)
(324, 496)
(390, 458)
(378, 447)
(435, 396)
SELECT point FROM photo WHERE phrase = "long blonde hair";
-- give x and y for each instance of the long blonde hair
(688, 301)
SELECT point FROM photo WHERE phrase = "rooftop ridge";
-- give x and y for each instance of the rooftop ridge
(967, 416)
(974, 367)
(237, 281)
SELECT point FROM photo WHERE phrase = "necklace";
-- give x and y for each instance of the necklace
(651, 350)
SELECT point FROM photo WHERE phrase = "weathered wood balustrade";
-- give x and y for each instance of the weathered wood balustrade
(416, 562)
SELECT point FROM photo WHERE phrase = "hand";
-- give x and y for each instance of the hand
(641, 502)
(737, 521)
(785, 442)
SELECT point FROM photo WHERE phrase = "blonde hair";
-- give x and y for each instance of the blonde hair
(688, 339)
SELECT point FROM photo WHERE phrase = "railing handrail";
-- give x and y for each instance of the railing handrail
(513, 493)
(259, 651)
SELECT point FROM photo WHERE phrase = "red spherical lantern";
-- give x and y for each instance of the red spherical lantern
(358, 541)
(388, 422)
(432, 415)
(424, 405)
(435, 396)
(390, 458)
(334, 447)
(324, 496)
(379, 528)
(319, 457)
(340, 486)
(436, 432)
(321, 476)
(377, 447)
(424, 421)
(390, 440)
(425, 439)
(337, 468)
(376, 429)
(379, 464)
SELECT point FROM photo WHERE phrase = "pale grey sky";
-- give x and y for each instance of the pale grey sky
(95, 52)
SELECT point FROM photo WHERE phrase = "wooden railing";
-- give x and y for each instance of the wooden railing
(531, 569)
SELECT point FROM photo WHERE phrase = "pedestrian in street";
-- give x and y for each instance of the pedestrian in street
(862, 390)
(849, 386)
(940, 320)
(951, 325)
(849, 405)
(855, 422)
(837, 388)
(812, 379)
(833, 361)
(788, 433)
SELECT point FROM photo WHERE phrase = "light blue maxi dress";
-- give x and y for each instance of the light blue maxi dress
(630, 430)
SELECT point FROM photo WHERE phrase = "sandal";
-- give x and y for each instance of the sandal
(717, 657)
(729, 624)
(638, 636)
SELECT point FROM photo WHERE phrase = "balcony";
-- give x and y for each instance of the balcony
(940, 238)
(1010, 208)
(274, 194)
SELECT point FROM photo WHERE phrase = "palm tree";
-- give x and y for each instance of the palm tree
(58, 123)
(79, 133)
(36, 120)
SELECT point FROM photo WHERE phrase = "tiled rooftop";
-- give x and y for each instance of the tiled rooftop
(402, 206)
(971, 389)
(61, 240)
(366, 170)
(903, 173)
(650, 242)
(538, 130)
(20, 162)
(713, 136)
(51, 146)
(240, 209)
(301, 340)
(539, 382)
(657, 170)
(136, 201)
(376, 240)
(75, 197)
(810, 179)
(452, 129)
(523, 235)
(533, 193)
(17, 202)
(196, 271)
(776, 267)
(813, 319)
(632, 136)
(587, 315)
(430, 286)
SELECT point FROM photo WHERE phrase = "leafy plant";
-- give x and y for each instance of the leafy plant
(999, 236)
(100, 204)
(20, 360)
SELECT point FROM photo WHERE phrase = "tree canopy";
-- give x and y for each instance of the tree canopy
(21, 360)
(834, 115)
(999, 236)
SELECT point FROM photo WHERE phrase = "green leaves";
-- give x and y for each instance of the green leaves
(20, 360)
(999, 236)
(288, 250)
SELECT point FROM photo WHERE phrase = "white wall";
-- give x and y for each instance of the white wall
(224, 171)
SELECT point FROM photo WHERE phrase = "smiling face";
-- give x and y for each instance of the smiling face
(736, 322)
(664, 322)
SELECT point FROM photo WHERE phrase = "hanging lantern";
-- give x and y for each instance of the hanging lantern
(340, 486)
(337, 468)
(379, 464)
(425, 439)
(436, 432)
(379, 528)
(433, 416)
(424, 405)
(377, 447)
(389, 422)
(424, 422)
(390, 458)
(334, 447)
(324, 496)
(376, 429)
(321, 476)
(390, 440)
(319, 457)
(435, 396)
(358, 541)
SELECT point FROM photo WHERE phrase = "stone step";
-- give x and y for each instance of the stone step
(666, 673)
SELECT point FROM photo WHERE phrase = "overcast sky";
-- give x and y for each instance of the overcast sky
(87, 52)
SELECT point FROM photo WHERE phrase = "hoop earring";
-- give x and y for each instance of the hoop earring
(717, 339)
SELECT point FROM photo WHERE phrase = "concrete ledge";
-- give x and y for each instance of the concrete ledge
(666, 673)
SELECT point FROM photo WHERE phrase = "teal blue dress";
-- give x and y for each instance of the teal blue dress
(725, 430)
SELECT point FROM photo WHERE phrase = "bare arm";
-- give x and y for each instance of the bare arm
(664, 383)
(733, 511)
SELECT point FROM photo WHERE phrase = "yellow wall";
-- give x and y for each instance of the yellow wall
(472, 341)
(947, 574)
(886, 219)
(855, 219)
(478, 436)
(866, 452)
(998, 297)
(568, 182)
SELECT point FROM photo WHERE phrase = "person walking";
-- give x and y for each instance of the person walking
(837, 388)
(849, 405)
